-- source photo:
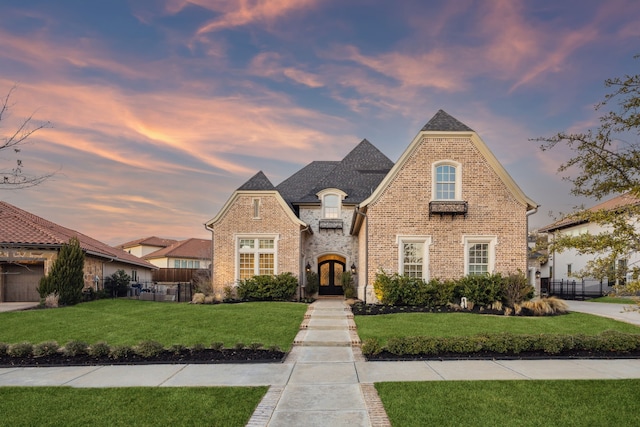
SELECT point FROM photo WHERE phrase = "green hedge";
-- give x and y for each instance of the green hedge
(505, 343)
(281, 287)
(481, 290)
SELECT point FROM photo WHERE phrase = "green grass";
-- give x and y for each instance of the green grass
(387, 326)
(615, 300)
(128, 322)
(512, 403)
(134, 406)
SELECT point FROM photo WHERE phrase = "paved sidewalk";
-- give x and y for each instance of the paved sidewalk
(325, 380)
(622, 312)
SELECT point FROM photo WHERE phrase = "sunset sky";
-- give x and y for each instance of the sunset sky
(161, 109)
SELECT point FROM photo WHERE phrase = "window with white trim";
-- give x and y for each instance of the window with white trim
(479, 254)
(256, 256)
(447, 180)
(413, 256)
(331, 199)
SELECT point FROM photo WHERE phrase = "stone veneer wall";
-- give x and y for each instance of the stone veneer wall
(329, 241)
(238, 219)
(403, 209)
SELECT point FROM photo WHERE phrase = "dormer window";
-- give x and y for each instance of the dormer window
(331, 199)
(331, 206)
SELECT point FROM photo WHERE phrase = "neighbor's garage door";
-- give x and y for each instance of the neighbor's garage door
(21, 282)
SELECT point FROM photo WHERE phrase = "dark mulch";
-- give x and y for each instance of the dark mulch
(166, 357)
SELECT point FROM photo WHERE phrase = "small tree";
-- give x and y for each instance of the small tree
(117, 284)
(66, 277)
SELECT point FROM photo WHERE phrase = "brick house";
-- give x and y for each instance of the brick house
(30, 244)
(445, 209)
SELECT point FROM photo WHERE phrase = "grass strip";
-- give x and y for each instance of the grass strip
(387, 326)
(127, 322)
(132, 406)
(615, 300)
(514, 403)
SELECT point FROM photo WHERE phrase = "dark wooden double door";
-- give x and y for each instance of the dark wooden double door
(330, 269)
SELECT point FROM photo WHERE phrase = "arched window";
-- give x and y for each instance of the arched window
(331, 199)
(447, 183)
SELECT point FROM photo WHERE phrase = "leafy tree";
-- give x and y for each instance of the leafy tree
(66, 277)
(14, 177)
(606, 162)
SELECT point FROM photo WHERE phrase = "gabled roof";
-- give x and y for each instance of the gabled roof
(21, 228)
(444, 125)
(302, 182)
(444, 122)
(258, 182)
(615, 203)
(148, 241)
(357, 174)
(190, 248)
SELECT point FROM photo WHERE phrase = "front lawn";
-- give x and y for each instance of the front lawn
(132, 406)
(383, 327)
(512, 403)
(127, 322)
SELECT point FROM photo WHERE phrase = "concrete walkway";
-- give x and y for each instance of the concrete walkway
(324, 379)
(622, 312)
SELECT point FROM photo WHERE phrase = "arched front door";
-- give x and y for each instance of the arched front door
(330, 269)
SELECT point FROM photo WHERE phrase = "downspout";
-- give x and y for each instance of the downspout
(536, 285)
(303, 283)
(366, 251)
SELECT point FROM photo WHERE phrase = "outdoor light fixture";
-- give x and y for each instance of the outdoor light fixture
(353, 268)
(308, 267)
(537, 274)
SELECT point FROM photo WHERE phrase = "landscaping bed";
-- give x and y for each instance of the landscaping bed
(164, 357)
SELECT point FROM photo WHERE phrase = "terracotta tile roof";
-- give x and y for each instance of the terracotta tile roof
(190, 248)
(19, 227)
(626, 199)
(148, 241)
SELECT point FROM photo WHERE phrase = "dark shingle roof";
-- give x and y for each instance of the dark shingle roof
(444, 122)
(358, 174)
(258, 182)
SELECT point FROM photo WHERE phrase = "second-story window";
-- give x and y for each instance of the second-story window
(331, 206)
(445, 182)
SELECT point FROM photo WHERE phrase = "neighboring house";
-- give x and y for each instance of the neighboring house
(29, 245)
(446, 209)
(146, 245)
(565, 265)
(190, 253)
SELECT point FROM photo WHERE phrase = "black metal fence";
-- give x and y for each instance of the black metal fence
(575, 290)
(151, 291)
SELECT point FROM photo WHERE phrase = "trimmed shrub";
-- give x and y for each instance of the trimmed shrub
(149, 348)
(217, 345)
(22, 349)
(482, 289)
(195, 347)
(180, 348)
(47, 348)
(99, 349)
(239, 346)
(3, 348)
(76, 348)
(281, 287)
(313, 284)
(371, 346)
(121, 352)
